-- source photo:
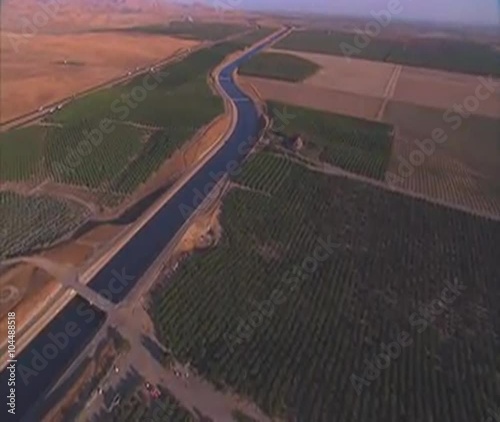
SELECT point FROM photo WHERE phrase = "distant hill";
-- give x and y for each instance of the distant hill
(76, 15)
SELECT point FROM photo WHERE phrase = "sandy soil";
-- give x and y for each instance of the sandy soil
(68, 253)
(317, 98)
(205, 230)
(38, 70)
(19, 276)
(100, 234)
(34, 285)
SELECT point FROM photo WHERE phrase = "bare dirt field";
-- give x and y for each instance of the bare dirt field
(438, 89)
(362, 77)
(70, 252)
(38, 70)
(418, 86)
(316, 97)
(100, 234)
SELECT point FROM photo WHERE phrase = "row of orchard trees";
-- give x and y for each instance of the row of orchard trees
(258, 315)
(33, 222)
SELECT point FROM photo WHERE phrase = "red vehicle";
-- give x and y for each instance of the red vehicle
(153, 390)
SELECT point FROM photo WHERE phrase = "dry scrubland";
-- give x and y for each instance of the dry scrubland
(39, 73)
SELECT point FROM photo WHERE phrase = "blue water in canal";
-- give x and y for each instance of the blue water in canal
(133, 259)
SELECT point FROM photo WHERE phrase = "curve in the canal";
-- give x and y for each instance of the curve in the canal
(44, 360)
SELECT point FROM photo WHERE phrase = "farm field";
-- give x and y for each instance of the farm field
(461, 167)
(98, 170)
(180, 105)
(20, 153)
(356, 76)
(35, 222)
(181, 95)
(250, 38)
(314, 275)
(425, 87)
(354, 145)
(318, 98)
(444, 54)
(53, 156)
(282, 66)
(93, 58)
(201, 31)
(463, 172)
(431, 88)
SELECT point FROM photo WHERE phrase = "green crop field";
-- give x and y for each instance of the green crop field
(112, 163)
(20, 152)
(211, 31)
(96, 165)
(181, 97)
(174, 110)
(281, 66)
(353, 144)
(315, 277)
(32, 222)
(450, 55)
(252, 37)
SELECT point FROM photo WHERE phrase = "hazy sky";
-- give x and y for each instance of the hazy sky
(472, 11)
